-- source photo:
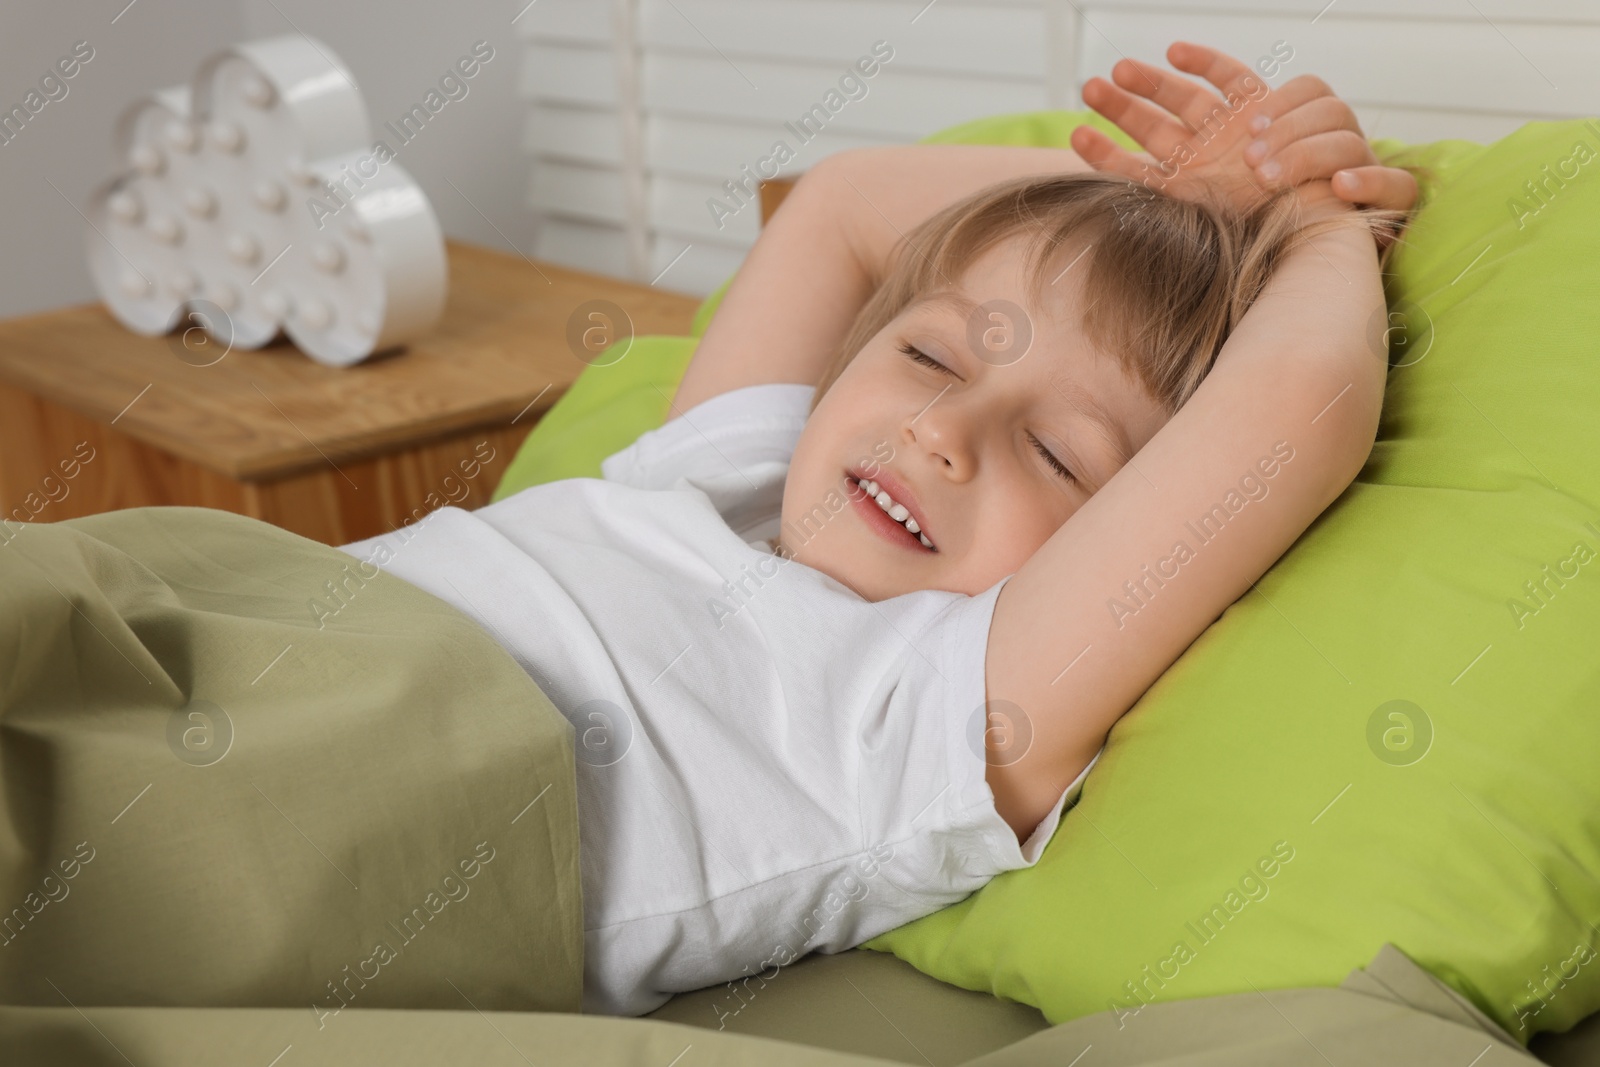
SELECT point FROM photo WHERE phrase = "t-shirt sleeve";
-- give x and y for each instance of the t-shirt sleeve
(735, 447)
(966, 840)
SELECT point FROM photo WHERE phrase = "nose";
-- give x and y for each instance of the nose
(944, 432)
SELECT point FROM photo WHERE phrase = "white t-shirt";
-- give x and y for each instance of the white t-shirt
(767, 763)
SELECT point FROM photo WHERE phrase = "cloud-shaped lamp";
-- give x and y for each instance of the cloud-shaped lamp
(254, 189)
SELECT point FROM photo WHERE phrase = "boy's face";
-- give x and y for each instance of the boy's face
(964, 447)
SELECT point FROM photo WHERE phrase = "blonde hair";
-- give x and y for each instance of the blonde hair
(1167, 279)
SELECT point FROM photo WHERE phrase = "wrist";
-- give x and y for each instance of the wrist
(1318, 201)
(1318, 204)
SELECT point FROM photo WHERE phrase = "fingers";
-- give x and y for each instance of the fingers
(1322, 115)
(1147, 124)
(1193, 104)
(1223, 71)
(1302, 131)
(1387, 187)
(1296, 92)
(1104, 154)
(1161, 110)
(1316, 157)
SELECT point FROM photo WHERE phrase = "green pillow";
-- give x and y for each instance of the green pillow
(1391, 738)
(603, 411)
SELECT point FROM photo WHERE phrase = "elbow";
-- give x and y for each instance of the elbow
(832, 189)
(835, 174)
(1372, 370)
(1352, 409)
(1357, 461)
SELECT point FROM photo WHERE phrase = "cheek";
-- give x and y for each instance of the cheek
(822, 450)
(1025, 517)
(813, 470)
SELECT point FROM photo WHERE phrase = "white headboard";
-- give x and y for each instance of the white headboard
(639, 110)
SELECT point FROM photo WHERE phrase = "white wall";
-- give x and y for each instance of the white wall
(710, 83)
(68, 143)
(396, 50)
(574, 147)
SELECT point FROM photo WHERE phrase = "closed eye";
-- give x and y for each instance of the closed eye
(918, 356)
(1059, 467)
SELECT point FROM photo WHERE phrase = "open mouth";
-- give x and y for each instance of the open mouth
(890, 518)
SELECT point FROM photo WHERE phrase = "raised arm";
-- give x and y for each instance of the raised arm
(1083, 629)
(820, 258)
(822, 255)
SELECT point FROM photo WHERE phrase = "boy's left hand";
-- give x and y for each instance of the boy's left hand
(1269, 138)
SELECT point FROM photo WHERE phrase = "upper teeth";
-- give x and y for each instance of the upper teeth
(897, 512)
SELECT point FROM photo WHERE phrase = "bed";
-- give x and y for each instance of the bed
(211, 911)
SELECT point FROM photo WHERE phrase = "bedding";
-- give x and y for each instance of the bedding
(233, 766)
(1391, 1011)
(1386, 740)
(240, 770)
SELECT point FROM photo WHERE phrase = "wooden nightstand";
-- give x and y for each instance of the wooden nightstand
(337, 455)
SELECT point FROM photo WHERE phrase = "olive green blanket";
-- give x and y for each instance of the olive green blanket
(237, 771)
